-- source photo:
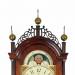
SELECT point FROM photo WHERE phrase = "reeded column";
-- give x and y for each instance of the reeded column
(13, 61)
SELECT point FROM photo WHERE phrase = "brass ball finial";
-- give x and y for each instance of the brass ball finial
(12, 37)
(37, 20)
(64, 36)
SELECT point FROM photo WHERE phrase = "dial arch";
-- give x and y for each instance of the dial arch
(46, 56)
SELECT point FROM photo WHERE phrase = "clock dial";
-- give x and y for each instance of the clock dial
(38, 63)
(39, 70)
(45, 57)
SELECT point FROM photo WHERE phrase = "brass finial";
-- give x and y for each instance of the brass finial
(12, 37)
(37, 20)
(64, 36)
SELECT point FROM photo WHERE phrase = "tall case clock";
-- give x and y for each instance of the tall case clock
(38, 52)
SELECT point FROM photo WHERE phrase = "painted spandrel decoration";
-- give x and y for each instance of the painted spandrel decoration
(38, 52)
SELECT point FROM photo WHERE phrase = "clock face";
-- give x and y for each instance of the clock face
(38, 62)
(39, 70)
(38, 54)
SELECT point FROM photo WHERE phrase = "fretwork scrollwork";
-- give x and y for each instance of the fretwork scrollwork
(43, 32)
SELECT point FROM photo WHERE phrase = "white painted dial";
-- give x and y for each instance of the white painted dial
(38, 70)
